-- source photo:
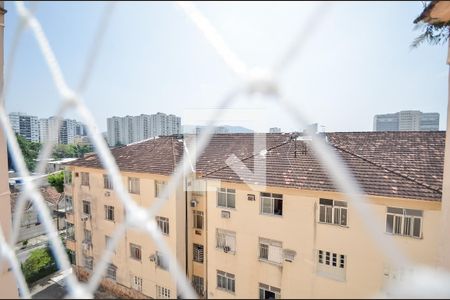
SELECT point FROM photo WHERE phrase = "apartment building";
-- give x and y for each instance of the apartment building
(25, 125)
(294, 236)
(67, 133)
(406, 120)
(130, 129)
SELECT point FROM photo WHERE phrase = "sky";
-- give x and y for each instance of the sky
(356, 63)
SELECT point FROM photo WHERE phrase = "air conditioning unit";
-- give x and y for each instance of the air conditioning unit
(107, 194)
(225, 214)
(84, 217)
(194, 203)
(226, 249)
(152, 257)
(289, 255)
(251, 197)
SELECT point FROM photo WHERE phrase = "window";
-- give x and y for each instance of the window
(84, 178)
(162, 292)
(111, 272)
(198, 253)
(331, 264)
(198, 284)
(226, 281)
(226, 198)
(268, 292)
(159, 187)
(136, 283)
(272, 204)
(135, 251)
(163, 224)
(270, 250)
(108, 240)
(333, 212)
(198, 219)
(109, 213)
(107, 184)
(70, 230)
(87, 236)
(406, 222)
(160, 261)
(67, 177)
(226, 240)
(68, 204)
(87, 208)
(133, 185)
(72, 257)
(89, 262)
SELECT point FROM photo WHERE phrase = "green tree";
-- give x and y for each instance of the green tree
(57, 181)
(435, 33)
(30, 151)
(40, 264)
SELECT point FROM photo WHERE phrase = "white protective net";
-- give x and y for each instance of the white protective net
(259, 81)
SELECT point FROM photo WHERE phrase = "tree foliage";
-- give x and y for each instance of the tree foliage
(57, 181)
(40, 264)
(64, 151)
(30, 151)
(436, 33)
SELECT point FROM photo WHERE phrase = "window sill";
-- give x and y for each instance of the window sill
(199, 262)
(270, 215)
(335, 225)
(227, 208)
(405, 236)
(225, 290)
(136, 259)
(270, 262)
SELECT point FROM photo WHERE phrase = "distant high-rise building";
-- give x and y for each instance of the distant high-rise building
(25, 125)
(275, 130)
(407, 120)
(129, 129)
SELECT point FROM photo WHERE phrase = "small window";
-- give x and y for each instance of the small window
(198, 253)
(405, 222)
(272, 204)
(161, 261)
(159, 187)
(226, 240)
(268, 292)
(226, 198)
(108, 240)
(333, 212)
(331, 264)
(133, 185)
(135, 251)
(111, 272)
(199, 285)
(107, 183)
(84, 178)
(87, 236)
(198, 219)
(136, 283)
(70, 231)
(68, 204)
(87, 208)
(270, 250)
(109, 213)
(162, 292)
(68, 177)
(89, 262)
(226, 281)
(163, 224)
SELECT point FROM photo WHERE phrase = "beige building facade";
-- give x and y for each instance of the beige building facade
(274, 241)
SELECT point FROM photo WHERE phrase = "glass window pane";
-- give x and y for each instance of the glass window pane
(221, 200)
(278, 207)
(344, 216)
(322, 213)
(231, 200)
(417, 225)
(398, 225)
(267, 205)
(389, 223)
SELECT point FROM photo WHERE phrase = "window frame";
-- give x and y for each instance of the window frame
(333, 212)
(227, 281)
(221, 242)
(272, 197)
(269, 244)
(163, 225)
(162, 292)
(87, 203)
(228, 194)
(197, 214)
(107, 183)
(134, 185)
(109, 274)
(198, 251)
(262, 287)
(159, 187)
(399, 217)
(109, 211)
(85, 180)
(134, 252)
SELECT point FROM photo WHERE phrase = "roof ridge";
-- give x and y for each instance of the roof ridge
(388, 169)
(253, 155)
